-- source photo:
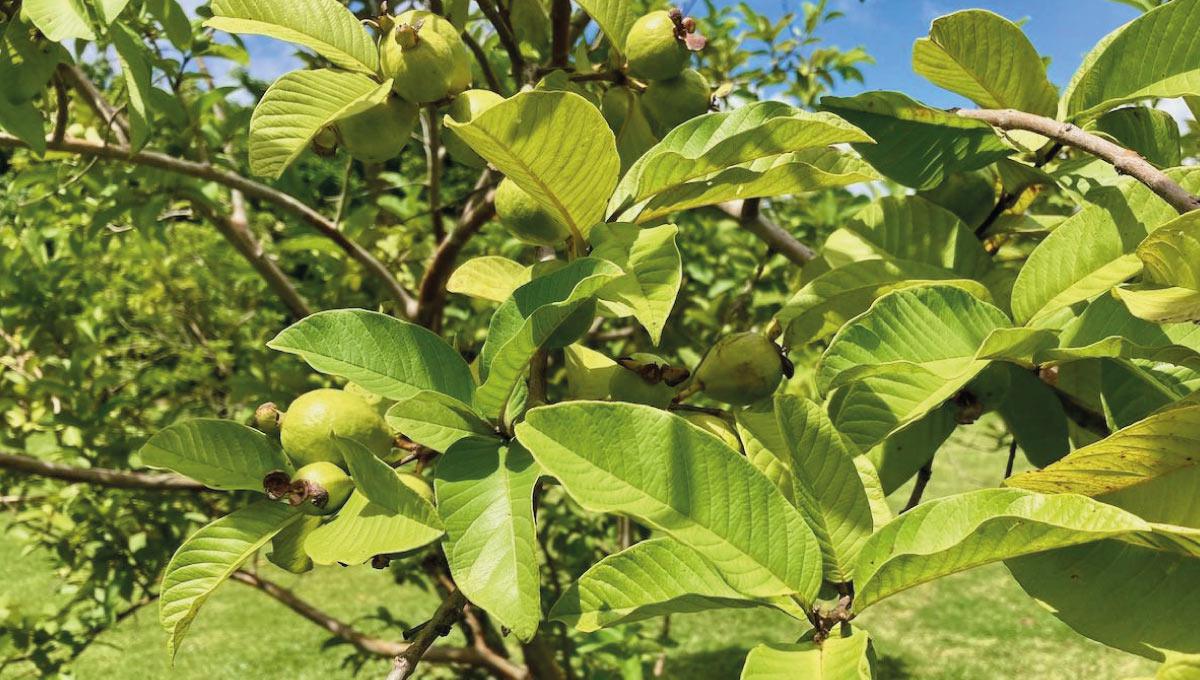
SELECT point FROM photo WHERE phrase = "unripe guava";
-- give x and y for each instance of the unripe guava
(640, 381)
(526, 219)
(418, 484)
(425, 57)
(669, 103)
(380, 404)
(741, 369)
(325, 142)
(380, 133)
(314, 417)
(321, 488)
(463, 109)
(654, 48)
(715, 425)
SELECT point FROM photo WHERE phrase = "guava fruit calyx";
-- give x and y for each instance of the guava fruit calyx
(653, 371)
(408, 35)
(685, 30)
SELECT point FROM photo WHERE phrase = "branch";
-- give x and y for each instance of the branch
(1125, 161)
(433, 158)
(407, 660)
(479, 209)
(507, 39)
(236, 230)
(206, 171)
(113, 120)
(484, 65)
(768, 232)
(375, 646)
(560, 20)
(119, 479)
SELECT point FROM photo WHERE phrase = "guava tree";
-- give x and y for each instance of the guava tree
(1036, 258)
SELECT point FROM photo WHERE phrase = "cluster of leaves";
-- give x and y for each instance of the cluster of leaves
(1012, 278)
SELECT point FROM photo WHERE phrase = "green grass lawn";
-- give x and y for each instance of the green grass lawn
(976, 625)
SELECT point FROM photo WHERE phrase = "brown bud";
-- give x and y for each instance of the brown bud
(267, 418)
(380, 562)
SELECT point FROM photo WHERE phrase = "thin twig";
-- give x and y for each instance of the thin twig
(118, 479)
(252, 189)
(1012, 458)
(489, 74)
(770, 233)
(1126, 161)
(923, 477)
(445, 616)
(433, 158)
(507, 39)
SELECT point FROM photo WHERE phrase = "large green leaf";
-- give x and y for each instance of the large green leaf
(25, 122)
(384, 355)
(1171, 304)
(1156, 55)
(1035, 417)
(1059, 273)
(1153, 133)
(955, 533)
(324, 26)
(1171, 253)
(807, 458)
(287, 547)
(536, 316)
(708, 144)
(437, 421)
(651, 579)
(59, 20)
(362, 530)
(783, 174)
(220, 454)
(210, 556)
(916, 145)
(1107, 329)
(838, 657)
(653, 272)
(897, 451)
(381, 484)
(1131, 390)
(554, 145)
(135, 70)
(912, 229)
(831, 299)
(489, 277)
(987, 59)
(298, 106)
(108, 10)
(614, 17)
(666, 472)
(485, 496)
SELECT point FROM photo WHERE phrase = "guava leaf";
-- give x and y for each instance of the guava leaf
(653, 270)
(1153, 133)
(490, 277)
(896, 450)
(916, 145)
(299, 105)
(59, 20)
(708, 144)
(663, 471)
(174, 21)
(784, 174)
(536, 316)
(25, 122)
(1035, 417)
(135, 70)
(325, 26)
(908, 228)
(554, 145)
(650, 579)
(210, 556)
(817, 475)
(835, 297)
(362, 530)
(839, 657)
(384, 355)
(1161, 305)
(1157, 55)
(380, 484)
(485, 497)
(956, 533)
(1059, 273)
(220, 454)
(614, 17)
(109, 10)
(1106, 329)
(437, 421)
(987, 59)
(1171, 253)
(287, 547)
(589, 373)
(1135, 389)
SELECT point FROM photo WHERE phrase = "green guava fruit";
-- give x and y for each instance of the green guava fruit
(380, 133)
(325, 142)
(417, 483)
(741, 369)
(314, 417)
(714, 425)
(321, 488)
(640, 381)
(654, 48)
(669, 103)
(526, 219)
(425, 57)
(380, 404)
(463, 109)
